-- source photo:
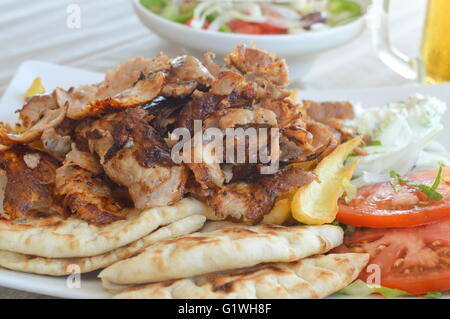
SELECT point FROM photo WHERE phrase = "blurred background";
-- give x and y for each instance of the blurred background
(110, 33)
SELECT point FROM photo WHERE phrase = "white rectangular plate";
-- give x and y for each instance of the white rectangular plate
(54, 76)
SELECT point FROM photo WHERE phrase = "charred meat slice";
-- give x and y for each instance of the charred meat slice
(307, 141)
(259, 63)
(134, 83)
(87, 197)
(286, 111)
(84, 160)
(55, 144)
(333, 115)
(179, 90)
(165, 112)
(30, 182)
(40, 113)
(241, 117)
(130, 72)
(185, 75)
(35, 108)
(324, 111)
(142, 92)
(247, 172)
(244, 97)
(226, 83)
(250, 202)
(205, 165)
(187, 68)
(213, 68)
(134, 155)
(324, 140)
(202, 106)
(148, 187)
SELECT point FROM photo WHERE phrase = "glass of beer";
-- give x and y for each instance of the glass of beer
(433, 66)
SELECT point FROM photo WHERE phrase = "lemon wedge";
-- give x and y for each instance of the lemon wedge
(36, 88)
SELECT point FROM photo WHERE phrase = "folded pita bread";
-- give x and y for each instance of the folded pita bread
(310, 278)
(62, 266)
(223, 249)
(211, 226)
(54, 237)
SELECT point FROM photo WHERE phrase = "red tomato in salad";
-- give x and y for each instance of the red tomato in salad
(380, 206)
(416, 260)
(268, 28)
(241, 26)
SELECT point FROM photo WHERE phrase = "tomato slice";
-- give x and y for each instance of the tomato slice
(241, 26)
(268, 28)
(416, 260)
(379, 206)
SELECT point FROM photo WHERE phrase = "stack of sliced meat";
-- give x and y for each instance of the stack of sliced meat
(93, 151)
(92, 183)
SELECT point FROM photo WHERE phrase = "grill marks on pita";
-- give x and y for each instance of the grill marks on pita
(310, 278)
(224, 249)
(114, 135)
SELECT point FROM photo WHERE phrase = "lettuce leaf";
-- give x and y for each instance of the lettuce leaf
(361, 289)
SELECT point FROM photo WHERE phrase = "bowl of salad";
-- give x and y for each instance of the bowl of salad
(299, 28)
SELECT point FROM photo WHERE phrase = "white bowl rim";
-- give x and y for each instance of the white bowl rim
(247, 37)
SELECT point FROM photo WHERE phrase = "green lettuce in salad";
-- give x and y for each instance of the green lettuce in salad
(361, 289)
(286, 16)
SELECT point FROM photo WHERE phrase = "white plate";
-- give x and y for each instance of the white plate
(54, 75)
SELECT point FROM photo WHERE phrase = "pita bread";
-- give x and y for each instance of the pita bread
(63, 266)
(310, 278)
(54, 237)
(223, 249)
(211, 226)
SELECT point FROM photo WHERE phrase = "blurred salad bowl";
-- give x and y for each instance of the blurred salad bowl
(217, 26)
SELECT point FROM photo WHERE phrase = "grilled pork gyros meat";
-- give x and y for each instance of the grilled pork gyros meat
(90, 169)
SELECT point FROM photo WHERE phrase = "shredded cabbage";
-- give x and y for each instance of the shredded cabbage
(405, 133)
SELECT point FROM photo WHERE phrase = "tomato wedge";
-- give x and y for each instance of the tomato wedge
(380, 206)
(268, 28)
(241, 26)
(416, 260)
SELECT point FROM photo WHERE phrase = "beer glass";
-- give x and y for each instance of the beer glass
(433, 66)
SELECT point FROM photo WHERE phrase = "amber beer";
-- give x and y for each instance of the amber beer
(436, 42)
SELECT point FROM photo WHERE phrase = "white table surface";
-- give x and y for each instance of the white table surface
(110, 33)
